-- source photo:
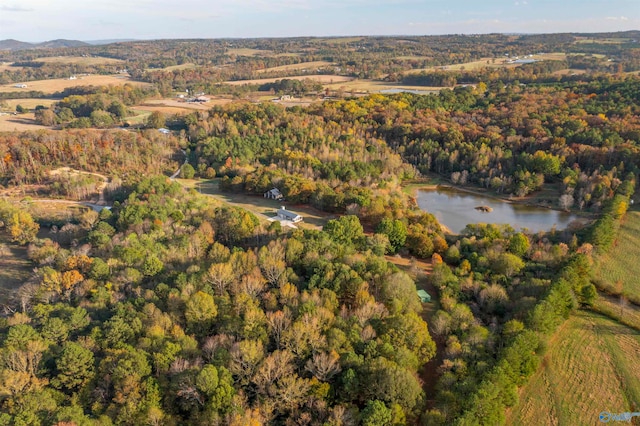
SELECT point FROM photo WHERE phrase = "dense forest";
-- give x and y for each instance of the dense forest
(174, 307)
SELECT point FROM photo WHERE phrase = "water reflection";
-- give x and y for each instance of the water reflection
(455, 209)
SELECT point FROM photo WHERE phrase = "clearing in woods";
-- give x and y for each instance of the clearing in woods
(325, 79)
(308, 66)
(258, 205)
(619, 269)
(501, 62)
(372, 86)
(15, 267)
(79, 60)
(591, 366)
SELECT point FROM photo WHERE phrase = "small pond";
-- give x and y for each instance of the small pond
(455, 209)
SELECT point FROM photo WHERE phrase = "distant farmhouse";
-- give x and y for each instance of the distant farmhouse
(274, 194)
(199, 99)
(20, 86)
(285, 214)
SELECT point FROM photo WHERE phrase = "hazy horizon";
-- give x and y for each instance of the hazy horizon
(40, 20)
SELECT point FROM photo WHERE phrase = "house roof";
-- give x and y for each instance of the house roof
(274, 191)
(288, 214)
(423, 295)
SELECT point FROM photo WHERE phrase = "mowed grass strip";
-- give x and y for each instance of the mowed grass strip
(15, 268)
(590, 366)
(620, 268)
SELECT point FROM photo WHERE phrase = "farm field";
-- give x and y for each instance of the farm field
(79, 60)
(20, 122)
(587, 40)
(59, 84)
(27, 103)
(172, 106)
(174, 67)
(501, 62)
(325, 79)
(372, 86)
(311, 66)
(590, 367)
(619, 269)
(339, 40)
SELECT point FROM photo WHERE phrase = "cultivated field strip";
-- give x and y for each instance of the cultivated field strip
(591, 366)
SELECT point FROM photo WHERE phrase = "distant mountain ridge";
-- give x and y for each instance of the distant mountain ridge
(11, 44)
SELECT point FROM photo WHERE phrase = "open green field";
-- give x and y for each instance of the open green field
(15, 268)
(619, 270)
(591, 366)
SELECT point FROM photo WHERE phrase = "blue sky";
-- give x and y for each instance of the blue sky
(39, 20)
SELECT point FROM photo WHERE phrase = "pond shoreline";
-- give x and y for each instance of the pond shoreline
(455, 207)
(524, 201)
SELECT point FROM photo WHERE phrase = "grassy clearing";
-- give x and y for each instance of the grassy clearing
(309, 66)
(19, 123)
(80, 60)
(340, 40)
(618, 270)
(27, 103)
(587, 40)
(262, 207)
(326, 79)
(186, 66)
(590, 366)
(429, 182)
(500, 62)
(15, 267)
(618, 309)
(59, 84)
(412, 58)
(249, 52)
(372, 86)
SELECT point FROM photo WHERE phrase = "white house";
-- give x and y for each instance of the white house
(20, 86)
(285, 214)
(274, 194)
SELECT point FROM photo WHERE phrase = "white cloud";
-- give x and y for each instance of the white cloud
(15, 8)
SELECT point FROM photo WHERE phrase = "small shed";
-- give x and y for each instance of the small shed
(424, 296)
(285, 214)
(274, 194)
